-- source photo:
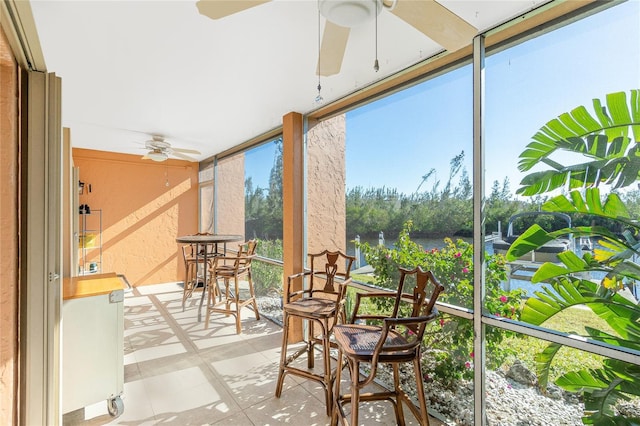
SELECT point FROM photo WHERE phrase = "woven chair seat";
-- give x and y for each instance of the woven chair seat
(312, 307)
(359, 341)
(388, 338)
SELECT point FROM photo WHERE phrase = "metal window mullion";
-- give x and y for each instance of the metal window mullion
(215, 195)
(478, 231)
(577, 342)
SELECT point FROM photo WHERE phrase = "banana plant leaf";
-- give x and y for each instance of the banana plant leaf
(608, 138)
(612, 208)
(628, 372)
(585, 380)
(621, 314)
(618, 172)
(529, 240)
(601, 336)
(535, 237)
(611, 250)
(602, 389)
(626, 269)
(618, 250)
(580, 123)
(604, 136)
(600, 393)
(572, 264)
(590, 203)
(596, 146)
(543, 363)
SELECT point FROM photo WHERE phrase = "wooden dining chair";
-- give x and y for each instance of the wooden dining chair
(320, 304)
(230, 269)
(393, 339)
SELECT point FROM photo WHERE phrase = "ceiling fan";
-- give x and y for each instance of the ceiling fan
(160, 150)
(427, 16)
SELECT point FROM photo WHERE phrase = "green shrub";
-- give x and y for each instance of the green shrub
(448, 350)
(267, 278)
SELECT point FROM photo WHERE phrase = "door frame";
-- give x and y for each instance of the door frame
(41, 249)
(41, 191)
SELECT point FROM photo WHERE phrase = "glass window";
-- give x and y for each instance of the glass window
(206, 198)
(263, 221)
(581, 73)
(559, 124)
(409, 192)
(206, 208)
(447, 364)
(263, 192)
(533, 381)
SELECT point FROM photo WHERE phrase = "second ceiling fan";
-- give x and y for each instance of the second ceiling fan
(427, 16)
(160, 150)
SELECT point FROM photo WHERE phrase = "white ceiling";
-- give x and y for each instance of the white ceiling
(134, 68)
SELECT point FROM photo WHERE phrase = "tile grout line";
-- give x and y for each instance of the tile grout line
(190, 347)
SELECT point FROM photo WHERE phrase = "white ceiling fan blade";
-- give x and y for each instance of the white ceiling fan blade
(216, 9)
(186, 151)
(184, 157)
(436, 22)
(334, 43)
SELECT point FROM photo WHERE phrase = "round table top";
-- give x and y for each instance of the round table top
(209, 238)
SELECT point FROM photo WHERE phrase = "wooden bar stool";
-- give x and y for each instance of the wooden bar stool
(320, 303)
(228, 269)
(192, 266)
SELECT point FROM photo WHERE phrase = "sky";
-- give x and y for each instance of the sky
(258, 163)
(397, 140)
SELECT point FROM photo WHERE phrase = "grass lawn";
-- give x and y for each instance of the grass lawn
(573, 321)
(363, 278)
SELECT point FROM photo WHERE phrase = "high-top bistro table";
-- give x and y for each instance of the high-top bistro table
(201, 241)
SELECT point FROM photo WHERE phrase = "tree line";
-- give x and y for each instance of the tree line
(445, 209)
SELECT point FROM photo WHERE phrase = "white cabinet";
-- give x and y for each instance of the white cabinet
(93, 342)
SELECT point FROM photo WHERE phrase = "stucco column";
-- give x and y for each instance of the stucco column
(293, 204)
(326, 177)
(229, 195)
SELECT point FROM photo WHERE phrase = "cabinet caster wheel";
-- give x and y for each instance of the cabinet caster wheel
(115, 406)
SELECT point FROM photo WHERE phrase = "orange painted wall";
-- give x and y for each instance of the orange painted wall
(141, 215)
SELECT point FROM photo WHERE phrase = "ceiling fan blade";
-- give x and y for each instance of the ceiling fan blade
(436, 22)
(186, 151)
(216, 9)
(334, 43)
(184, 157)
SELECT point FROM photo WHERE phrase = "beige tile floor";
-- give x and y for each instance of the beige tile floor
(178, 373)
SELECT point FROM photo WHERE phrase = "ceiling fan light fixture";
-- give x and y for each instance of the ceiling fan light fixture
(157, 155)
(350, 13)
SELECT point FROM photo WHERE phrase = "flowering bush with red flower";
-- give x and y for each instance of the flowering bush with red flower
(448, 351)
